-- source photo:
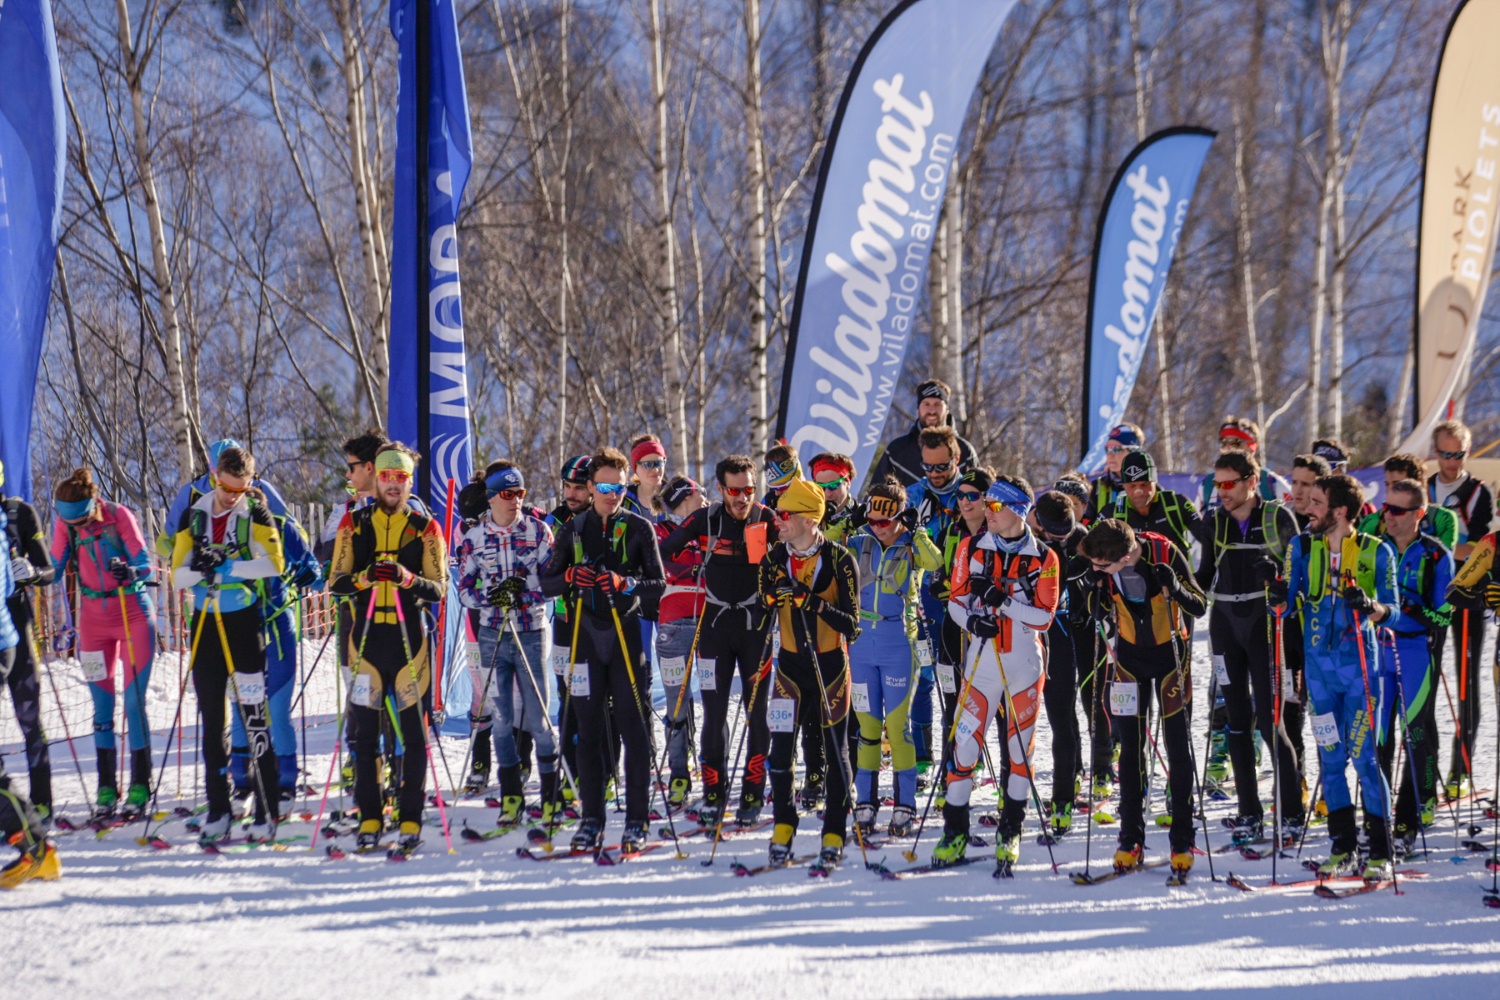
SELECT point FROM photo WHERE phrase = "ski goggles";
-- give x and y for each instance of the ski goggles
(609, 489)
(1009, 496)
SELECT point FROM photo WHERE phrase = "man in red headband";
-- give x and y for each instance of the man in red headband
(1243, 434)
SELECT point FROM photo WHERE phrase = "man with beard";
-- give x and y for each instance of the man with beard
(903, 456)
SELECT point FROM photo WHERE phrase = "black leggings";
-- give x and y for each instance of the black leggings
(734, 648)
(1154, 670)
(1065, 667)
(1239, 635)
(211, 665)
(26, 696)
(613, 702)
(367, 723)
(1464, 684)
(797, 681)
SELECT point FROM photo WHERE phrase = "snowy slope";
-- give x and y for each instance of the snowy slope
(130, 921)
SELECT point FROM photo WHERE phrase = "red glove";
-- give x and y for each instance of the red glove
(581, 577)
(611, 583)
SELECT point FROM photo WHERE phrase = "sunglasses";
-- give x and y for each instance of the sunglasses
(783, 515)
(938, 467)
(1229, 484)
(879, 522)
(1115, 449)
(834, 484)
(654, 464)
(231, 490)
(1451, 456)
(739, 491)
(353, 465)
(994, 506)
(610, 489)
(1391, 508)
(970, 495)
(519, 494)
(393, 476)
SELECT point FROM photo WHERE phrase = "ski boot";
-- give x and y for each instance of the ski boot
(748, 814)
(1103, 786)
(711, 809)
(1245, 829)
(109, 791)
(832, 851)
(954, 843)
(864, 818)
(477, 781)
(511, 809)
(136, 800)
(346, 773)
(677, 792)
(1218, 762)
(213, 830)
(261, 832)
(1457, 786)
(1062, 819)
(633, 839)
(1128, 856)
(813, 793)
(39, 861)
(780, 851)
(1429, 813)
(1182, 863)
(1378, 865)
(368, 837)
(1405, 844)
(1343, 849)
(1007, 853)
(903, 819)
(408, 841)
(1292, 830)
(588, 837)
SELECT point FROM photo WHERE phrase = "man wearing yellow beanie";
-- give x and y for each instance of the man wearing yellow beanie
(814, 585)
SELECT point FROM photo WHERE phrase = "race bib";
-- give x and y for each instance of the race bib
(1325, 730)
(946, 681)
(781, 715)
(924, 653)
(708, 674)
(94, 670)
(579, 683)
(1221, 672)
(1124, 699)
(673, 670)
(471, 650)
(359, 691)
(969, 726)
(560, 661)
(860, 695)
(249, 689)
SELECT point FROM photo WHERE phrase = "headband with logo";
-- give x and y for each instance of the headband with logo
(1012, 496)
(504, 479)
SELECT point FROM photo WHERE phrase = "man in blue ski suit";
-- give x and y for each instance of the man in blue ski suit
(1345, 585)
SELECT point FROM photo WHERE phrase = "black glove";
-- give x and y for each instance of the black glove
(1165, 577)
(1266, 571)
(986, 590)
(1099, 605)
(1078, 566)
(1466, 600)
(1278, 592)
(908, 518)
(121, 570)
(506, 594)
(206, 559)
(984, 626)
(1358, 601)
(781, 593)
(1426, 617)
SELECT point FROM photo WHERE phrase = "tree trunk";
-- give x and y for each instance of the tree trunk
(171, 330)
(669, 329)
(1337, 162)
(755, 164)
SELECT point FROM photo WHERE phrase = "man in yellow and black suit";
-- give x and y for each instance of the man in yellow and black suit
(391, 560)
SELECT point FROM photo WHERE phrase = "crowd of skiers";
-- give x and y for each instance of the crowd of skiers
(841, 616)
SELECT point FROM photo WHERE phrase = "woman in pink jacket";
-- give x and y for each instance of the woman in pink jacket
(115, 625)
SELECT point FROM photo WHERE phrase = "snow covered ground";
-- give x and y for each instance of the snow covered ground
(128, 920)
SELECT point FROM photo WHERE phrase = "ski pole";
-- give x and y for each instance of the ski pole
(1276, 691)
(1452, 804)
(67, 732)
(646, 718)
(146, 836)
(763, 668)
(1494, 896)
(1015, 724)
(411, 672)
(338, 735)
(1371, 725)
(484, 699)
(1416, 784)
(812, 645)
(562, 762)
(911, 854)
(1183, 658)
